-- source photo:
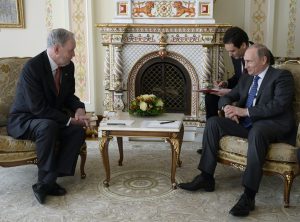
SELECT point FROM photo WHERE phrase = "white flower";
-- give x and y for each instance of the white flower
(143, 106)
(159, 102)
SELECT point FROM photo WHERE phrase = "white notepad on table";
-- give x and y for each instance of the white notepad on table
(116, 122)
(161, 124)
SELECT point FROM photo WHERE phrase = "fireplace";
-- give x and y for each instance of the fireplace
(179, 59)
(172, 60)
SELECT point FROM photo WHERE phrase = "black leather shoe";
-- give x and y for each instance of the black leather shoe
(199, 151)
(40, 192)
(57, 190)
(243, 207)
(199, 183)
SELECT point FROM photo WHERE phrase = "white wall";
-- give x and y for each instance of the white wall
(29, 41)
(230, 12)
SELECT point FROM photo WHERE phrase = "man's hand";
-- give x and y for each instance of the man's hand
(234, 113)
(221, 91)
(220, 84)
(81, 118)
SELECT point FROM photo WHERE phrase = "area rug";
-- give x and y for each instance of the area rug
(139, 185)
(140, 190)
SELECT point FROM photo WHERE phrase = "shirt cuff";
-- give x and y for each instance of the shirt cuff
(248, 113)
(68, 123)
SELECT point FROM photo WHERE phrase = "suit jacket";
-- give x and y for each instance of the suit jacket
(237, 65)
(273, 102)
(36, 96)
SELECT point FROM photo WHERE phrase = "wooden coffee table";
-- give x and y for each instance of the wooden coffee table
(125, 125)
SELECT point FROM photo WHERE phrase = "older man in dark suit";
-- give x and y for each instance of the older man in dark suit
(45, 89)
(263, 114)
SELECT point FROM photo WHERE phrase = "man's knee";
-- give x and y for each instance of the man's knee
(257, 133)
(213, 121)
(48, 127)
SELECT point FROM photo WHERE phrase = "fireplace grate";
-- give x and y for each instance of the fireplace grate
(168, 79)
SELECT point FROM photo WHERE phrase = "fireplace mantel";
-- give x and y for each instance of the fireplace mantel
(198, 47)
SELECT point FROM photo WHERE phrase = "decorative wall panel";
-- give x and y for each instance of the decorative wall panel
(49, 8)
(292, 28)
(79, 27)
(259, 10)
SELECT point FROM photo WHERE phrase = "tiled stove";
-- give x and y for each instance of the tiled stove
(174, 39)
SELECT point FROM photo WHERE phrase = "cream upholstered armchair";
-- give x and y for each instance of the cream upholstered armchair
(17, 152)
(281, 158)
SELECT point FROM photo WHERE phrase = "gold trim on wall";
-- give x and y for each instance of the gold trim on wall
(17, 20)
(49, 15)
(291, 28)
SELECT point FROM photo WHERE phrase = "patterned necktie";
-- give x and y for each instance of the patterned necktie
(251, 96)
(57, 77)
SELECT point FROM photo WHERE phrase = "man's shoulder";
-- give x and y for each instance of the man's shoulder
(37, 59)
(279, 71)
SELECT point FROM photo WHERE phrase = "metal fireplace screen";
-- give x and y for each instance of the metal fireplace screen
(169, 80)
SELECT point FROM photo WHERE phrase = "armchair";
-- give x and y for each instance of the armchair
(281, 158)
(17, 152)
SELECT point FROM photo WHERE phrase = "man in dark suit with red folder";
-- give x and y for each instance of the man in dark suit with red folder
(45, 89)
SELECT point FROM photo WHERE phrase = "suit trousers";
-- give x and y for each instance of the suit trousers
(57, 147)
(211, 105)
(259, 137)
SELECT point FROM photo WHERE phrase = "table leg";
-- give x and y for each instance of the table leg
(180, 137)
(104, 152)
(120, 145)
(175, 142)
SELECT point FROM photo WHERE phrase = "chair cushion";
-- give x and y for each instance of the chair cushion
(11, 145)
(281, 152)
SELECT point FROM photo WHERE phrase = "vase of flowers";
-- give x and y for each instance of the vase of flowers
(146, 105)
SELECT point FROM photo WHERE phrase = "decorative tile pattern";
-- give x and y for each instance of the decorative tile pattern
(122, 8)
(196, 47)
(164, 9)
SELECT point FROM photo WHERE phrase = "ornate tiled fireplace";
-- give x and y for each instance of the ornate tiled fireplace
(173, 59)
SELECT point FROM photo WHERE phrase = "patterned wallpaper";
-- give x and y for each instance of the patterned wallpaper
(259, 10)
(49, 23)
(78, 26)
(261, 25)
(291, 28)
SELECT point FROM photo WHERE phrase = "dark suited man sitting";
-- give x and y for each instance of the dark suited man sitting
(263, 115)
(236, 42)
(46, 87)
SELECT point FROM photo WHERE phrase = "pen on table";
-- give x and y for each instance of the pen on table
(165, 122)
(120, 124)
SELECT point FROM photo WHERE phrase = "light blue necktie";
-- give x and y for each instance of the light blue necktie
(251, 96)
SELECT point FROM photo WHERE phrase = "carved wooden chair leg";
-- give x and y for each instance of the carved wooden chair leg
(83, 154)
(288, 181)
